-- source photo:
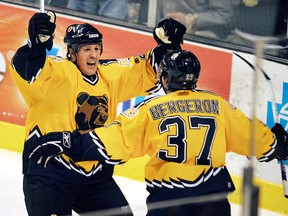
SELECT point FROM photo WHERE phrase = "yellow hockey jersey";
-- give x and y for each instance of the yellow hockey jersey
(186, 134)
(52, 102)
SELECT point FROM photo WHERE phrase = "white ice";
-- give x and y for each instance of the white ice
(12, 199)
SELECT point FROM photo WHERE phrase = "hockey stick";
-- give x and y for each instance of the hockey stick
(42, 8)
(42, 37)
(276, 120)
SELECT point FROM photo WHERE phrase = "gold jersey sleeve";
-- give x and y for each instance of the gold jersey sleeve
(128, 77)
(184, 133)
(51, 106)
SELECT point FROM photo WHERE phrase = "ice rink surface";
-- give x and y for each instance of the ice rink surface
(12, 199)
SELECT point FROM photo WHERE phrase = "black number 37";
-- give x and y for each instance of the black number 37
(179, 139)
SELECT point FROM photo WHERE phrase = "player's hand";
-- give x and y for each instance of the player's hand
(169, 32)
(168, 35)
(281, 150)
(53, 144)
(41, 30)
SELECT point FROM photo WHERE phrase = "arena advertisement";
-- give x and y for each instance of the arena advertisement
(118, 42)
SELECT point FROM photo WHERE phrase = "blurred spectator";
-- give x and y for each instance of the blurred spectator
(142, 13)
(261, 18)
(133, 12)
(208, 18)
(109, 8)
(257, 17)
(55, 3)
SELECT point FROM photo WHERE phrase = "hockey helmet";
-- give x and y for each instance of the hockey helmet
(182, 69)
(77, 34)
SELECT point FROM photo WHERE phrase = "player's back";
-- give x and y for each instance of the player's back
(189, 132)
(186, 135)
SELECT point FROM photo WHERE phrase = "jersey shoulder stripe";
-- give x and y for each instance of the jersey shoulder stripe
(146, 101)
(207, 92)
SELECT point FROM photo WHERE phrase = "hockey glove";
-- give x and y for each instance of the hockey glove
(168, 35)
(281, 149)
(169, 32)
(92, 111)
(41, 30)
(77, 146)
(53, 144)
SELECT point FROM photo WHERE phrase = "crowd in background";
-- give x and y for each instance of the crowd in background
(213, 19)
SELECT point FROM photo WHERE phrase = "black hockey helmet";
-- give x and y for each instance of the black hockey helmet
(182, 69)
(82, 34)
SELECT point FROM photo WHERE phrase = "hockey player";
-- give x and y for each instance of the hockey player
(65, 95)
(186, 133)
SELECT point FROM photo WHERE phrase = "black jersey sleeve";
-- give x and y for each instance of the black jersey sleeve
(28, 63)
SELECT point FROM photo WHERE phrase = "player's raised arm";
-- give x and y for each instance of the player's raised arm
(30, 58)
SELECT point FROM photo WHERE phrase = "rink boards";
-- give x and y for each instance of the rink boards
(222, 72)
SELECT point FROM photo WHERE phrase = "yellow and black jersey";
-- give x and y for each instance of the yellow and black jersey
(186, 134)
(54, 97)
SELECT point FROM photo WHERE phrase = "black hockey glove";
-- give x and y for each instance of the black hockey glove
(41, 30)
(53, 144)
(77, 146)
(169, 36)
(281, 149)
(170, 33)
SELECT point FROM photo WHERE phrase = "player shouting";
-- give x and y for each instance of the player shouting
(67, 94)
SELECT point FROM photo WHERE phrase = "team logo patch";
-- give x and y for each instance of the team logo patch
(56, 58)
(123, 62)
(130, 113)
(92, 111)
(66, 139)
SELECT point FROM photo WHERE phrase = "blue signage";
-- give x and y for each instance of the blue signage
(282, 111)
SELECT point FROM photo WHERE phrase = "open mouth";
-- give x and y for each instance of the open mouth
(91, 64)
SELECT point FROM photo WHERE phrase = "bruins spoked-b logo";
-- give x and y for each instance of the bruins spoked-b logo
(92, 111)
